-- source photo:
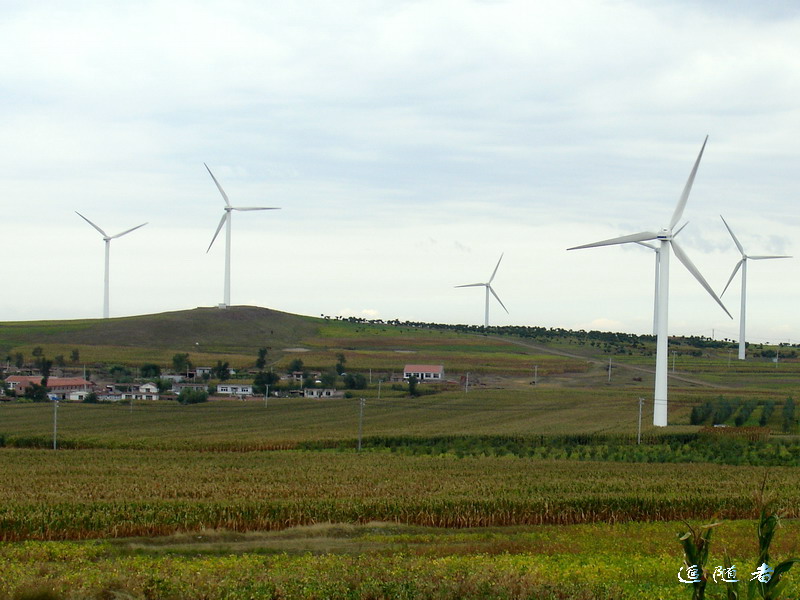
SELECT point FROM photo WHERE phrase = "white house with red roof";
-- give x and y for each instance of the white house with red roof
(424, 373)
(59, 386)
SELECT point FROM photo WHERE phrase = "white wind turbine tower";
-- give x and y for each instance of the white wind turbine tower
(226, 220)
(488, 286)
(743, 265)
(657, 250)
(107, 239)
(666, 239)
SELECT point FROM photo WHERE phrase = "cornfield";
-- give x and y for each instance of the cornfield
(82, 494)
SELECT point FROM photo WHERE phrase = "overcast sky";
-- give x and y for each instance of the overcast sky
(408, 145)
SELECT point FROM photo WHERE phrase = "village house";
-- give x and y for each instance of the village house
(424, 373)
(146, 391)
(57, 386)
(235, 389)
(195, 387)
(322, 393)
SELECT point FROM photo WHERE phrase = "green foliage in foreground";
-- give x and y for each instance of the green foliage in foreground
(767, 580)
(376, 561)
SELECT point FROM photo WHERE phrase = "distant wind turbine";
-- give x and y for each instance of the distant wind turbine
(743, 265)
(666, 239)
(226, 220)
(107, 239)
(488, 286)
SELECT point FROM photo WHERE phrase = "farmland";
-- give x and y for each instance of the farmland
(505, 489)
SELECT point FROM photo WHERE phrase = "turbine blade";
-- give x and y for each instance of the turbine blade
(495, 269)
(735, 271)
(253, 208)
(646, 245)
(625, 239)
(681, 228)
(735, 240)
(498, 298)
(127, 231)
(103, 233)
(767, 257)
(219, 187)
(676, 216)
(470, 285)
(219, 228)
(694, 271)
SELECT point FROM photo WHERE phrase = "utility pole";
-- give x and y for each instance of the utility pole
(266, 395)
(55, 423)
(535, 374)
(466, 384)
(639, 435)
(360, 422)
(380, 381)
(609, 369)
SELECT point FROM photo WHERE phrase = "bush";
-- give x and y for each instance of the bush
(354, 381)
(189, 396)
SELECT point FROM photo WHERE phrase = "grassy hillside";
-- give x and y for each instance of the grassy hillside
(562, 357)
(236, 334)
(237, 329)
(208, 334)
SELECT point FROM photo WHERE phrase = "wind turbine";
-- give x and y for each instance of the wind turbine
(666, 239)
(107, 239)
(226, 220)
(743, 265)
(488, 286)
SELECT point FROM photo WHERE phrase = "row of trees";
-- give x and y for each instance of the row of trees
(18, 358)
(722, 410)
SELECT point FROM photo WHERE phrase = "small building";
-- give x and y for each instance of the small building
(146, 391)
(178, 387)
(322, 393)
(235, 389)
(148, 388)
(57, 386)
(424, 373)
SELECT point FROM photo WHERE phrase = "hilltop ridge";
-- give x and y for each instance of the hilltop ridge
(235, 329)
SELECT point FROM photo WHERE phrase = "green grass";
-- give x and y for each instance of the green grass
(478, 412)
(380, 560)
(238, 331)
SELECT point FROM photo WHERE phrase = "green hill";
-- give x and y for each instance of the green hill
(239, 330)
(236, 334)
